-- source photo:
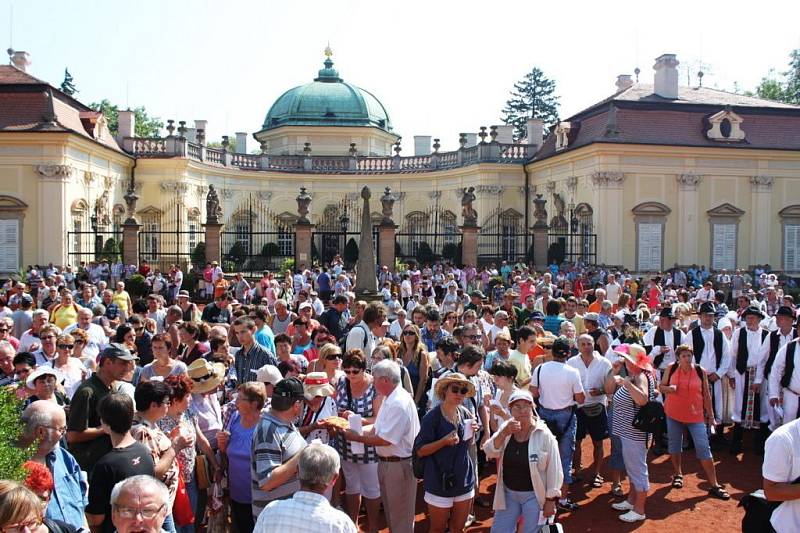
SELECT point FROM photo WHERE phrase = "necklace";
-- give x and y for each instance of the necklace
(455, 420)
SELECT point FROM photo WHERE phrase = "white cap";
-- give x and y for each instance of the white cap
(520, 394)
(39, 372)
(268, 374)
(304, 305)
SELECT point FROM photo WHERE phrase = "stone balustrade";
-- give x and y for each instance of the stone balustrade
(487, 152)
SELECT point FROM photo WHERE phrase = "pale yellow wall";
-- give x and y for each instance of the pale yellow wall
(650, 174)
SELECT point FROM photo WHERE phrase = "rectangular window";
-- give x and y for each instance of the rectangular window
(791, 247)
(509, 243)
(77, 241)
(9, 245)
(151, 231)
(193, 231)
(286, 243)
(649, 247)
(723, 247)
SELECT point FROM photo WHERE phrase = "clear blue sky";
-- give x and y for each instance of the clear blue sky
(440, 68)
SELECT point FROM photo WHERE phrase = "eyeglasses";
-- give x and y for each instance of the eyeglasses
(79, 341)
(24, 371)
(353, 372)
(473, 337)
(47, 337)
(409, 333)
(3, 330)
(333, 357)
(146, 512)
(455, 389)
(30, 525)
(66, 346)
(62, 429)
(138, 328)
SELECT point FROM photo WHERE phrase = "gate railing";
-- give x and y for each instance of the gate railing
(252, 253)
(427, 247)
(88, 246)
(164, 248)
(327, 244)
(572, 248)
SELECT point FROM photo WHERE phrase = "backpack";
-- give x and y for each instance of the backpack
(757, 513)
(651, 415)
(343, 341)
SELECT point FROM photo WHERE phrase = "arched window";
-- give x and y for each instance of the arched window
(150, 233)
(416, 225)
(81, 227)
(449, 226)
(193, 226)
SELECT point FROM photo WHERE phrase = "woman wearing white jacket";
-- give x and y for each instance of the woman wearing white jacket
(529, 475)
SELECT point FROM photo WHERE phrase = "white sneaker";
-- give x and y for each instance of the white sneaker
(470, 520)
(624, 505)
(632, 516)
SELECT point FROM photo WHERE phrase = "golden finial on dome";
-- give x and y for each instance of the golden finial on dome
(328, 51)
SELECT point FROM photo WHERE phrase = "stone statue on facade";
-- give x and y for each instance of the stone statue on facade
(558, 202)
(101, 210)
(387, 207)
(467, 211)
(213, 209)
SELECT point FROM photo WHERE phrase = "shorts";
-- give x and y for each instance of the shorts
(447, 502)
(595, 426)
(697, 430)
(634, 454)
(361, 478)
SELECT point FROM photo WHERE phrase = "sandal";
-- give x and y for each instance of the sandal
(616, 490)
(719, 492)
(677, 481)
(598, 480)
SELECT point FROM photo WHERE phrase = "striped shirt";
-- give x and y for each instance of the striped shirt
(625, 410)
(252, 359)
(274, 443)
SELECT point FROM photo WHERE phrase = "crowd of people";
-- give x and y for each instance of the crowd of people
(289, 402)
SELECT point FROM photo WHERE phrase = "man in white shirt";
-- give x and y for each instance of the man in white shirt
(559, 389)
(393, 434)
(784, 319)
(705, 294)
(781, 470)
(97, 336)
(592, 417)
(662, 341)
(308, 510)
(396, 328)
(713, 352)
(362, 336)
(613, 290)
(784, 381)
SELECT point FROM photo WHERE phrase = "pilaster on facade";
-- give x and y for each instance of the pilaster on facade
(572, 184)
(762, 183)
(550, 186)
(688, 182)
(607, 180)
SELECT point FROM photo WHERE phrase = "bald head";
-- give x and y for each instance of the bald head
(42, 420)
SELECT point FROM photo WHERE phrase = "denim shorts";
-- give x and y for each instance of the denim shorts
(634, 453)
(699, 434)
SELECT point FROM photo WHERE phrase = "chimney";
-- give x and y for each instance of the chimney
(201, 125)
(666, 79)
(126, 125)
(422, 145)
(624, 81)
(241, 142)
(505, 134)
(535, 129)
(20, 59)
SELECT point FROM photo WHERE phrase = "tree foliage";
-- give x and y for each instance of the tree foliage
(231, 144)
(532, 97)
(792, 91)
(784, 88)
(199, 255)
(11, 457)
(146, 126)
(68, 85)
(425, 254)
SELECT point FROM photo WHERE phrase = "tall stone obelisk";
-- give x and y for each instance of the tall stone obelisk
(366, 279)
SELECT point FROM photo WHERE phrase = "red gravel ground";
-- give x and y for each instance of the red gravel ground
(679, 510)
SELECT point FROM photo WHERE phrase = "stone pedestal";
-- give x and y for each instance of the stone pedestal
(130, 243)
(469, 245)
(213, 238)
(539, 233)
(386, 239)
(302, 245)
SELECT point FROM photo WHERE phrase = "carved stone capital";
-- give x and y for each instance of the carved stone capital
(226, 193)
(265, 196)
(90, 177)
(761, 183)
(572, 183)
(58, 172)
(606, 179)
(689, 182)
(201, 190)
(109, 182)
(433, 195)
(489, 189)
(550, 186)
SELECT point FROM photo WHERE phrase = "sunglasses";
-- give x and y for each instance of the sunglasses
(455, 389)
(473, 337)
(334, 357)
(3, 330)
(353, 372)
(79, 341)
(66, 346)
(409, 333)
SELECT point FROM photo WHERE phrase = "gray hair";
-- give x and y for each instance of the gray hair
(5, 345)
(387, 369)
(140, 484)
(38, 413)
(282, 303)
(41, 312)
(318, 465)
(565, 326)
(606, 304)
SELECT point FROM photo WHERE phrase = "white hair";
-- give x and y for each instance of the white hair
(41, 312)
(387, 369)
(140, 484)
(318, 464)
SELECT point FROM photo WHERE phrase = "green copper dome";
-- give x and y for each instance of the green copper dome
(327, 101)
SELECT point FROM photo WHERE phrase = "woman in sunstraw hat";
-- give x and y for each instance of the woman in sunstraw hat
(634, 392)
(319, 405)
(529, 473)
(206, 379)
(445, 434)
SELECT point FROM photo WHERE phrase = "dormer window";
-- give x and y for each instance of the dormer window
(562, 135)
(726, 126)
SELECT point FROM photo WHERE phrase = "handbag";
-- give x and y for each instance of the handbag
(182, 511)
(592, 410)
(202, 473)
(550, 526)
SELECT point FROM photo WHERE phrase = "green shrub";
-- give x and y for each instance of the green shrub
(451, 252)
(270, 249)
(11, 457)
(111, 250)
(190, 281)
(288, 264)
(136, 286)
(237, 253)
(199, 255)
(424, 253)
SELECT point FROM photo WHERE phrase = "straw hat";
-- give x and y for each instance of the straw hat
(205, 376)
(317, 384)
(637, 355)
(547, 339)
(449, 379)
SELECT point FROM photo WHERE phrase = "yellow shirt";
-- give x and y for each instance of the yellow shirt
(522, 364)
(64, 315)
(121, 299)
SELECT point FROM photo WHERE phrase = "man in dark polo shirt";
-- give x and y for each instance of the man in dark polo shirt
(87, 441)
